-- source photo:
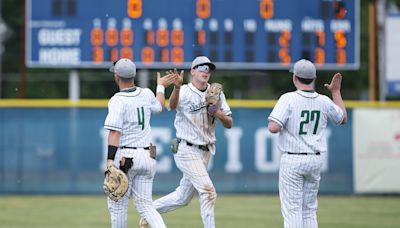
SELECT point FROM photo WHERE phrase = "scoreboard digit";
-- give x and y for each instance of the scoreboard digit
(235, 34)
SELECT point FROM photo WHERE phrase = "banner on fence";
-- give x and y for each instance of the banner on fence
(61, 150)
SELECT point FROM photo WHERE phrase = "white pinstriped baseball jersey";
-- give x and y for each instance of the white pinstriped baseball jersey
(129, 112)
(194, 125)
(303, 116)
(192, 122)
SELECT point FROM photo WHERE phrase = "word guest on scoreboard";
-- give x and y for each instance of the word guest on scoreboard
(235, 34)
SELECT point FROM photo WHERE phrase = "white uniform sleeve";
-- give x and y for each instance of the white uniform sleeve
(335, 113)
(281, 111)
(155, 105)
(224, 105)
(114, 119)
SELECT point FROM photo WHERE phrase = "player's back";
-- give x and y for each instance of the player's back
(135, 109)
(306, 120)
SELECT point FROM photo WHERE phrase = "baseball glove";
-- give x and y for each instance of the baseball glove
(212, 97)
(115, 183)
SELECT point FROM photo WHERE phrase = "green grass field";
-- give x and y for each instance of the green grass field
(233, 211)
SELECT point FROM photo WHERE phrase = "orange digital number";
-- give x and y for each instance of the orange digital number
(340, 10)
(177, 37)
(177, 55)
(319, 56)
(341, 13)
(127, 37)
(150, 37)
(341, 56)
(284, 38)
(165, 55)
(284, 55)
(96, 37)
(127, 52)
(98, 55)
(201, 37)
(203, 8)
(111, 37)
(134, 8)
(321, 37)
(340, 38)
(162, 37)
(266, 9)
(147, 55)
(114, 54)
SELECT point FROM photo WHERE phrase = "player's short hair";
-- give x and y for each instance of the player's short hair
(126, 79)
(305, 81)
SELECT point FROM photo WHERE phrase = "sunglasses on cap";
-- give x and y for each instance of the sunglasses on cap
(204, 68)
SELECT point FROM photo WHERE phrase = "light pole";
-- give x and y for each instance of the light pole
(3, 33)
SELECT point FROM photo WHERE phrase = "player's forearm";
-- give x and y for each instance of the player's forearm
(160, 93)
(174, 98)
(337, 99)
(161, 98)
(113, 144)
(226, 121)
(113, 138)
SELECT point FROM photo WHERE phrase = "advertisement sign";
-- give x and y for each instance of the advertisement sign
(392, 68)
(376, 150)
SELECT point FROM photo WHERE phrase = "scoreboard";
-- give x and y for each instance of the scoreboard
(235, 34)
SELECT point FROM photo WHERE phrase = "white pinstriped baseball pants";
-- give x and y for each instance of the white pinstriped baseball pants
(141, 177)
(299, 177)
(193, 163)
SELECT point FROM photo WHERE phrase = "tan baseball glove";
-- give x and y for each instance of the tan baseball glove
(115, 183)
(213, 97)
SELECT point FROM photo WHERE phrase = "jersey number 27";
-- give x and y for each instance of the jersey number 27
(307, 117)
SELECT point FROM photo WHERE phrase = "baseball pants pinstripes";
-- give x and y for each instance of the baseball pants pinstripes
(193, 163)
(141, 177)
(299, 177)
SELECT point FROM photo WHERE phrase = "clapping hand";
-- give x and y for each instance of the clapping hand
(166, 80)
(335, 84)
(179, 78)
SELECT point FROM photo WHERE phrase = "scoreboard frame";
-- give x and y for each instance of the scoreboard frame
(67, 37)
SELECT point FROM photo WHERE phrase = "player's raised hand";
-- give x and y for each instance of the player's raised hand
(167, 79)
(335, 84)
(179, 78)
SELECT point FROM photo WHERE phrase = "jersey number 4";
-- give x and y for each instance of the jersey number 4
(307, 117)
(140, 112)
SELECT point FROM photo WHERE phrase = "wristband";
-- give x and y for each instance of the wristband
(112, 150)
(160, 89)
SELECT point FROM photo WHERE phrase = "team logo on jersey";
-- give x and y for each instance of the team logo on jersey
(193, 107)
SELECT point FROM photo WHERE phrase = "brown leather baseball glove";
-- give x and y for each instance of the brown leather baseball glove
(213, 97)
(115, 183)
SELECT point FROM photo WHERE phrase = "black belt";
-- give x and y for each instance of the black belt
(318, 153)
(128, 147)
(201, 147)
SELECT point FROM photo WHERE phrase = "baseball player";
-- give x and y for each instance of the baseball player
(129, 145)
(195, 132)
(301, 119)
